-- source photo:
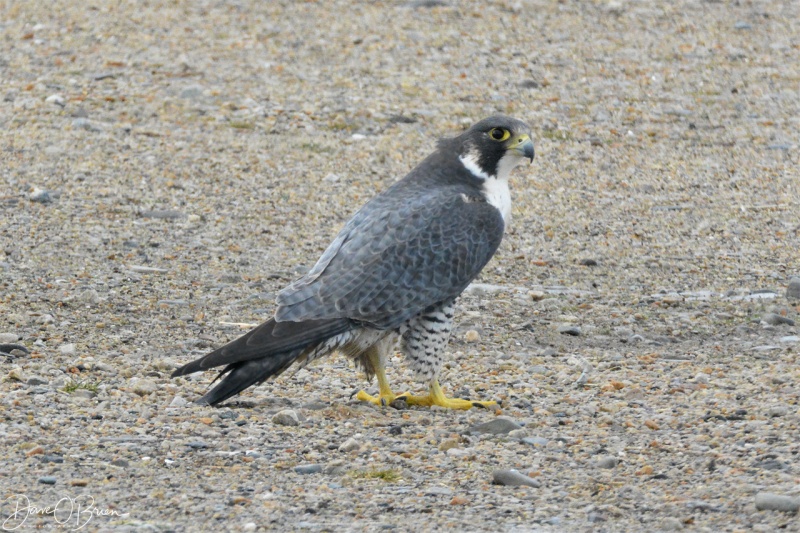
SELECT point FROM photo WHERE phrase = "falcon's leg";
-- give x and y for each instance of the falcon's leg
(423, 341)
(436, 397)
(373, 360)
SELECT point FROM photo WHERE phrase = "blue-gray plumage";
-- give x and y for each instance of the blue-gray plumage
(392, 273)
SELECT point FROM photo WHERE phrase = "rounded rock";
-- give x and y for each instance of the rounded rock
(768, 501)
(287, 417)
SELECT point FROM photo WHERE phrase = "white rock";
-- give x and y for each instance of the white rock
(287, 417)
(56, 99)
(67, 349)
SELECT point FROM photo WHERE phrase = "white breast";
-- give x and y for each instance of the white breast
(498, 194)
(495, 189)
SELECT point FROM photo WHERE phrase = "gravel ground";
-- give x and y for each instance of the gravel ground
(168, 166)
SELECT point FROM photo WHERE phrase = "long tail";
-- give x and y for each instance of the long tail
(261, 353)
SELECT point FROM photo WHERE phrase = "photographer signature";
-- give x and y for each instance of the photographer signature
(67, 511)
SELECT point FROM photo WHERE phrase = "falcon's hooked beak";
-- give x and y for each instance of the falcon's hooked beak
(523, 146)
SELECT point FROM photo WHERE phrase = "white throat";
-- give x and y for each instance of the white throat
(495, 188)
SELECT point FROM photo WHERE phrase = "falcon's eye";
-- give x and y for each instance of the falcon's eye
(499, 134)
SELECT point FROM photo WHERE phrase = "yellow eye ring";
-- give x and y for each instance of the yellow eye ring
(499, 134)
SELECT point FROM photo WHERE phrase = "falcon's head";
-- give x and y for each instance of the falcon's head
(494, 146)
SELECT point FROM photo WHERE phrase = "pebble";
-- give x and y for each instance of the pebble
(671, 523)
(607, 462)
(56, 99)
(8, 338)
(536, 441)
(82, 123)
(40, 196)
(513, 478)
(47, 480)
(498, 426)
(287, 417)
(308, 469)
(537, 295)
(36, 380)
(570, 330)
(178, 401)
(793, 290)
(144, 387)
(774, 319)
(350, 445)
(67, 349)
(778, 410)
(768, 501)
(790, 338)
(472, 336)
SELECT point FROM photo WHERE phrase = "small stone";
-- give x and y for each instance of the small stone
(287, 417)
(701, 378)
(250, 526)
(350, 445)
(146, 270)
(40, 196)
(459, 452)
(38, 450)
(607, 462)
(777, 411)
(536, 295)
(671, 523)
(197, 445)
(472, 336)
(793, 290)
(513, 478)
(790, 338)
(79, 482)
(51, 459)
(438, 491)
(449, 444)
(8, 338)
(501, 425)
(36, 380)
(178, 401)
(192, 92)
(85, 124)
(144, 387)
(459, 500)
(56, 99)
(588, 262)
(652, 424)
(47, 480)
(570, 330)
(535, 441)
(768, 501)
(308, 469)
(518, 434)
(331, 178)
(67, 349)
(774, 319)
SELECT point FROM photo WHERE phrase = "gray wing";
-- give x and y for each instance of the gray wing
(399, 254)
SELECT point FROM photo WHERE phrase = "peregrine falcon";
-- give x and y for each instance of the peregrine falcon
(392, 274)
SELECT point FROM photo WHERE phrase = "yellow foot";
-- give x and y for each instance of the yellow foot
(381, 399)
(442, 401)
